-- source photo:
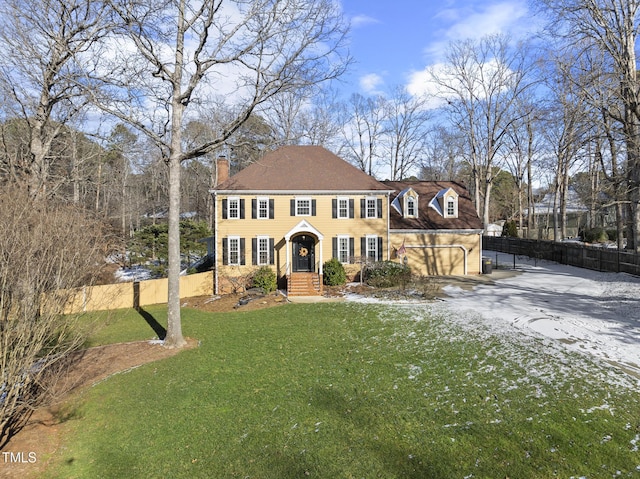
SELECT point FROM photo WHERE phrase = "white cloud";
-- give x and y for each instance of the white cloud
(477, 22)
(471, 22)
(362, 20)
(371, 83)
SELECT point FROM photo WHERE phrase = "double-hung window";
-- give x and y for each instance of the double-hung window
(452, 209)
(372, 247)
(303, 206)
(371, 207)
(343, 248)
(411, 206)
(263, 250)
(263, 208)
(233, 208)
(343, 208)
(372, 210)
(233, 250)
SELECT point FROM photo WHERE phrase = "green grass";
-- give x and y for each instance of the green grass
(350, 391)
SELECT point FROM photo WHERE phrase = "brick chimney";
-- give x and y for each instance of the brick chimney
(222, 169)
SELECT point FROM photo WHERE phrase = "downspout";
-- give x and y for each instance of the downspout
(215, 242)
(388, 227)
(434, 246)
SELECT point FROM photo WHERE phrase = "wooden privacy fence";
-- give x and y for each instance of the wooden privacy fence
(137, 294)
(573, 254)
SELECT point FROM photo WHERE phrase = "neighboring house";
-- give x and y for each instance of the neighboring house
(300, 206)
(577, 215)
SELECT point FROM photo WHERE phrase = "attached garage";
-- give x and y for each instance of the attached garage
(434, 228)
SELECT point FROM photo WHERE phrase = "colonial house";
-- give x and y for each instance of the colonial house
(300, 206)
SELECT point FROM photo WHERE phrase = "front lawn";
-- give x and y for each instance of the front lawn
(352, 391)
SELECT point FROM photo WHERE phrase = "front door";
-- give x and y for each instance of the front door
(303, 253)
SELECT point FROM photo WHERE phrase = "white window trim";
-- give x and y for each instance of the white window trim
(258, 200)
(338, 200)
(266, 239)
(348, 240)
(229, 200)
(304, 198)
(454, 200)
(375, 207)
(415, 207)
(375, 248)
(229, 240)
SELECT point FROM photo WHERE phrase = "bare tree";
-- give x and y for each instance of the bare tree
(442, 156)
(363, 127)
(612, 26)
(566, 128)
(480, 82)
(184, 51)
(53, 247)
(44, 72)
(523, 145)
(407, 120)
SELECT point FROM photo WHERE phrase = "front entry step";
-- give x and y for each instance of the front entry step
(304, 284)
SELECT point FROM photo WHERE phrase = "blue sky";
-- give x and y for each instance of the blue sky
(393, 41)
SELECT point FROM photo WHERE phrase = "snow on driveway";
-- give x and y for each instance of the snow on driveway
(588, 311)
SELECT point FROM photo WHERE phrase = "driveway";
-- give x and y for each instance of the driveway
(588, 311)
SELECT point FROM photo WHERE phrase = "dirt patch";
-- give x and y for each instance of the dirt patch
(248, 301)
(26, 453)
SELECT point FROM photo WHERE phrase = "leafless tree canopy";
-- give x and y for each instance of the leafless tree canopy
(46, 250)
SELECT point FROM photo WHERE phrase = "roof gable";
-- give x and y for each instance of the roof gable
(301, 168)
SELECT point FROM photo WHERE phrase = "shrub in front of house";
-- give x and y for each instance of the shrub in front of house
(386, 274)
(333, 273)
(265, 279)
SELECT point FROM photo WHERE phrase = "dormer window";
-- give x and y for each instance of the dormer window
(411, 209)
(445, 203)
(452, 207)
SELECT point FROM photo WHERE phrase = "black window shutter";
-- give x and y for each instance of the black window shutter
(242, 251)
(241, 209)
(271, 209)
(352, 247)
(334, 209)
(224, 209)
(225, 251)
(351, 208)
(379, 258)
(334, 247)
(254, 251)
(272, 256)
(363, 208)
(292, 206)
(379, 207)
(363, 246)
(313, 207)
(254, 208)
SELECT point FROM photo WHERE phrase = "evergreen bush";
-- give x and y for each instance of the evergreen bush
(265, 279)
(334, 274)
(595, 235)
(510, 229)
(385, 274)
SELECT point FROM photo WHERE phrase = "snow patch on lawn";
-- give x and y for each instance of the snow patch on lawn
(558, 309)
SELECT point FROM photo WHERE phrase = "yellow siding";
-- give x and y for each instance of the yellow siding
(444, 259)
(440, 253)
(283, 222)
